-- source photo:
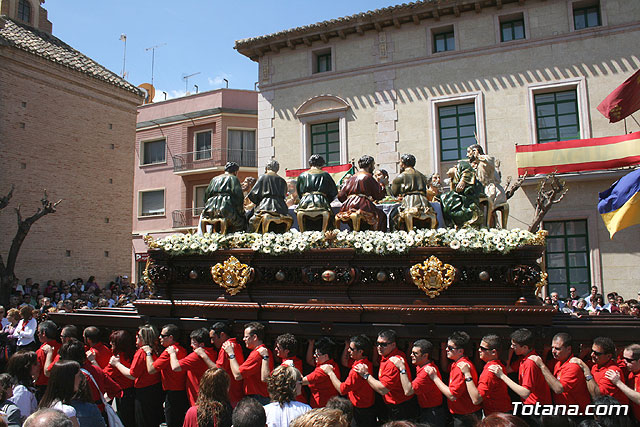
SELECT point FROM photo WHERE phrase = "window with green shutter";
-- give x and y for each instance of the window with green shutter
(512, 30)
(325, 140)
(567, 256)
(586, 17)
(457, 127)
(557, 116)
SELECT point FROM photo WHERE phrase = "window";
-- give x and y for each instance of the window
(586, 17)
(198, 199)
(325, 140)
(322, 61)
(567, 256)
(24, 11)
(152, 203)
(457, 126)
(557, 116)
(444, 40)
(242, 147)
(512, 30)
(153, 152)
(203, 145)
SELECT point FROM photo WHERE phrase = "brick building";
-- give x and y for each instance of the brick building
(180, 145)
(66, 125)
(425, 77)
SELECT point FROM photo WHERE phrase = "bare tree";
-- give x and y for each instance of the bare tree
(7, 273)
(512, 187)
(551, 190)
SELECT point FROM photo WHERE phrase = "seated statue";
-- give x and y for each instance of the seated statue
(461, 205)
(358, 195)
(292, 196)
(382, 176)
(316, 189)
(415, 209)
(224, 209)
(488, 173)
(268, 196)
(433, 192)
(247, 185)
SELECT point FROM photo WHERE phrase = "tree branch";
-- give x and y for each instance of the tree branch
(547, 198)
(4, 200)
(512, 188)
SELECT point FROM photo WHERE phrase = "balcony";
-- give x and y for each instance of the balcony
(185, 217)
(212, 160)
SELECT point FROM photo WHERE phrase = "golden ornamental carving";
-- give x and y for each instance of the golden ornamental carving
(542, 283)
(151, 243)
(540, 238)
(432, 276)
(146, 276)
(232, 275)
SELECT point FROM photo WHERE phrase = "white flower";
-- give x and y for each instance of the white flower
(391, 247)
(168, 247)
(455, 244)
(465, 243)
(500, 247)
(367, 247)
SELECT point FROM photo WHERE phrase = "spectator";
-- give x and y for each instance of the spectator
(499, 419)
(597, 304)
(63, 385)
(12, 412)
(26, 329)
(589, 299)
(4, 321)
(284, 385)
(23, 366)
(212, 409)
(321, 417)
(249, 413)
(612, 304)
(9, 341)
(123, 347)
(48, 418)
(555, 299)
(572, 301)
(344, 405)
(580, 308)
(91, 286)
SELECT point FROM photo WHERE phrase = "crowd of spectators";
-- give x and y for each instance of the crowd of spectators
(593, 304)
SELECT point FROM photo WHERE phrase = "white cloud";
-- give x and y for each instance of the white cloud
(171, 94)
(218, 80)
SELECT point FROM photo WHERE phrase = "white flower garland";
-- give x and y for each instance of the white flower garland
(366, 242)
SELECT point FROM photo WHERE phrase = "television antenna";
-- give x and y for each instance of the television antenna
(186, 81)
(153, 57)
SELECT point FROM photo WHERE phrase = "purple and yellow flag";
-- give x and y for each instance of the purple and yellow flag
(619, 206)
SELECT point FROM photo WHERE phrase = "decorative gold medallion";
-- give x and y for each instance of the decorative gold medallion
(232, 275)
(432, 276)
(542, 283)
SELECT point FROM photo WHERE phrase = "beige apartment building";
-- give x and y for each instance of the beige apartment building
(427, 76)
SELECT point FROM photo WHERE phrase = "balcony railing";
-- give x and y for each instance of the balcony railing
(186, 217)
(205, 159)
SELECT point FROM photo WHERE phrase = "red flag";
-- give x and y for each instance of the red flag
(623, 101)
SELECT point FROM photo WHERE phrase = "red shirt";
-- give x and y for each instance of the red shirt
(105, 384)
(633, 381)
(195, 367)
(494, 391)
(42, 356)
(250, 371)
(607, 388)
(115, 375)
(102, 354)
(320, 385)
(171, 380)
(389, 376)
(139, 370)
(574, 384)
(236, 388)
(297, 363)
(425, 389)
(458, 387)
(531, 378)
(357, 388)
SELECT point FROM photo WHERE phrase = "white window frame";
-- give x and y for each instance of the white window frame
(193, 200)
(443, 101)
(512, 15)
(313, 60)
(438, 29)
(142, 159)
(195, 144)
(571, 5)
(305, 134)
(580, 86)
(164, 201)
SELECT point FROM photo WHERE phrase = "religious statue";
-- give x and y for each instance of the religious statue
(316, 189)
(382, 176)
(488, 173)
(461, 205)
(358, 195)
(292, 195)
(223, 208)
(433, 192)
(412, 186)
(268, 196)
(247, 185)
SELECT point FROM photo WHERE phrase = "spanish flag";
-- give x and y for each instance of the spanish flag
(338, 172)
(620, 204)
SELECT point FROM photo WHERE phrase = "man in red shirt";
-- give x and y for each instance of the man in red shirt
(389, 385)
(97, 350)
(428, 394)
(250, 370)
(463, 410)
(176, 402)
(631, 389)
(569, 382)
(221, 333)
(354, 386)
(47, 334)
(193, 363)
(491, 392)
(319, 383)
(603, 353)
(286, 347)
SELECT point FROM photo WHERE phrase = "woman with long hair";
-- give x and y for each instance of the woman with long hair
(148, 389)
(6, 336)
(284, 385)
(64, 383)
(123, 347)
(23, 367)
(11, 411)
(26, 330)
(212, 409)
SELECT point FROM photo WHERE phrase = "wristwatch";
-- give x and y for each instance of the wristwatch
(468, 379)
(149, 353)
(265, 357)
(365, 376)
(588, 377)
(403, 371)
(232, 356)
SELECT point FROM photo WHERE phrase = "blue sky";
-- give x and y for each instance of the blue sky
(197, 36)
